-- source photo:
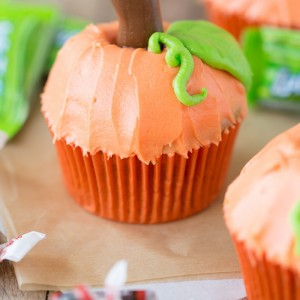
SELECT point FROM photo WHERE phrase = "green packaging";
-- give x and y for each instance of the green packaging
(274, 57)
(26, 35)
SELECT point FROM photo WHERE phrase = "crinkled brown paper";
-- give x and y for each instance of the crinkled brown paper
(81, 248)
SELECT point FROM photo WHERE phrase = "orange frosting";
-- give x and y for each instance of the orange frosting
(258, 203)
(121, 100)
(271, 12)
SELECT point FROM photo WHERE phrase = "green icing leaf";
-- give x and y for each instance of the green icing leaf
(214, 46)
(295, 222)
(177, 55)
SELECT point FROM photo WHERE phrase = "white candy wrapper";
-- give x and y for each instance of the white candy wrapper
(17, 248)
(113, 288)
(116, 279)
(3, 139)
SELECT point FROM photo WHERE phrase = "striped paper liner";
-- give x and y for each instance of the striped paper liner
(128, 190)
(265, 280)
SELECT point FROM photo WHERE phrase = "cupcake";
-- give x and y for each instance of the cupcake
(236, 15)
(262, 212)
(144, 133)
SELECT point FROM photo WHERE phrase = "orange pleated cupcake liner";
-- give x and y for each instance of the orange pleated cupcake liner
(128, 190)
(265, 280)
(234, 23)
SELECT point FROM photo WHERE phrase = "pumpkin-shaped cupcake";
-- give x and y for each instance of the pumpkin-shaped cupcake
(144, 134)
(237, 15)
(262, 212)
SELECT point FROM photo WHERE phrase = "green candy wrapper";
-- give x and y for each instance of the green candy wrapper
(26, 34)
(274, 56)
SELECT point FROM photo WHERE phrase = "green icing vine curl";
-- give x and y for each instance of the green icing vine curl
(177, 55)
(295, 222)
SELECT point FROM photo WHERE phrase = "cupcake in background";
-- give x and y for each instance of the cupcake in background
(237, 15)
(270, 37)
(262, 213)
(142, 136)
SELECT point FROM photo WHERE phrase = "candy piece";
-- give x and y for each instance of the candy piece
(85, 293)
(114, 282)
(17, 248)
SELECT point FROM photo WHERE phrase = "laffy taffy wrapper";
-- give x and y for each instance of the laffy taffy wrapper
(26, 33)
(273, 54)
(17, 248)
(86, 293)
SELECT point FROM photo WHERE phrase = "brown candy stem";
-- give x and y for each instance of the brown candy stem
(138, 19)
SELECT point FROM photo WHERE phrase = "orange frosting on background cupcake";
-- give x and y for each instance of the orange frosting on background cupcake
(259, 202)
(146, 119)
(270, 12)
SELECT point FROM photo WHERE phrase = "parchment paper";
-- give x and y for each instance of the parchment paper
(81, 248)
